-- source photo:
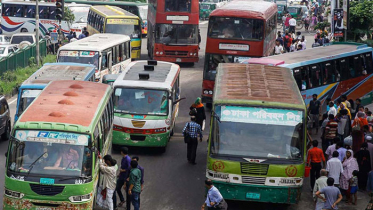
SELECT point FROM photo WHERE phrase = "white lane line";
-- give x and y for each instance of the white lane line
(12, 101)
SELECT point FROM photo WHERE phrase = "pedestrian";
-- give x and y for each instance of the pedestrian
(354, 187)
(332, 195)
(358, 104)
(278, 48)
(314, 112)
(358, 131)
(73, 39)
(299, 48)
(342, 106)
(330, 150)
(363, 161)
(341, 150)
(123, 175)
(214, 199)
(292, 24)
(320, 184)
(192, 129)
(293, 46)
(287, 42)
(134, 185)
(279, 38)
(307, 22)
(349, 165)
(330, 132)
(70, 35)
(314, 159)
(313, 22)
(334, 168)
(342, 123)
(199, 112)
(287, 25)
(331, 109)
(344, 99)
(369, 118)
(142, 171)
(105, 193)
(283, 22)
(81, 36)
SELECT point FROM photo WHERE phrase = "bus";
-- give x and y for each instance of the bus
(109, 53)
(146, 104)
(80, 12)
(236, 31)
(136, 8)
(33, 86)
(332, 71)
(111, 19)
(244, 162)
(173, 26)
(19, 16)
(52, 155)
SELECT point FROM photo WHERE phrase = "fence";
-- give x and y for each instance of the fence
(20, 58)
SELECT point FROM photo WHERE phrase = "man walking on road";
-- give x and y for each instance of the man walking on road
(193, 129)
(214, 200)
(332, 195)
(314, 159)
(320, 183)
(134, 189)
(123, 175)
(314, 112)
(335, 168)
(292, 24)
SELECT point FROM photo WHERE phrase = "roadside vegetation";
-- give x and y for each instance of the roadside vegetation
(11, 80)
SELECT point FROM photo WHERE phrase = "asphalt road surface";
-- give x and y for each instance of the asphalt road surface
(171, 183)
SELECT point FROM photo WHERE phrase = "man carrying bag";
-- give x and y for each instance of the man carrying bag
(214, 200)
(190, 133)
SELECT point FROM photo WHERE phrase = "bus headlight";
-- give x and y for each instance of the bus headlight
(13, 194)
(210, 92)
(195, 54)
(161, 53)
(157, 53)
(205, 92)
(191, 54)
(80, 198)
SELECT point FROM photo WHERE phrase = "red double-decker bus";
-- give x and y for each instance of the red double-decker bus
(173, 30)
(237, 31)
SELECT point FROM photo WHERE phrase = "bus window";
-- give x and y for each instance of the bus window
(31, 11)
(342, 66)
(306, 82)
(331, 75)
(7, 10)
(354, 66)
(315, 73)
(298, 78)
(368, 62)
(104, 60)
(177, 5)
(19, 10)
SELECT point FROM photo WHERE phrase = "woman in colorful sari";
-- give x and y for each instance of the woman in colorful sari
(349, 165)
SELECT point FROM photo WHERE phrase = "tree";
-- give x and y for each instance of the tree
(69, 16)
(361, 18)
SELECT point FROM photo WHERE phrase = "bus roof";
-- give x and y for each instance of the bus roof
(141, 74)
(246, 9)
(67, 101)
(326, 52)
(113, 3)
(96, 42)
(112, 11)
(60, 71)
(253, 82)
(264, 61)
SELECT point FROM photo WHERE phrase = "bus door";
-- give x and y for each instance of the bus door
(175, 96)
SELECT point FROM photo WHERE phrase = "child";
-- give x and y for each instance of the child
(353, 186)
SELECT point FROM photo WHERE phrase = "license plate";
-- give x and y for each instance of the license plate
(178, 59)
(255, 196)
(46, 181)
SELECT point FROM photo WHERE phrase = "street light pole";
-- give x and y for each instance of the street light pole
(37, 33)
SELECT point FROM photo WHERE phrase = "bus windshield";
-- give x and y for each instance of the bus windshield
(141, 101)
(130, 27)
(27, 98)
(80, 13)
(50, 153)
(174, 34)
(76, 56)
(212, 61)
(235, 28)
(240, 133)
(143, 10)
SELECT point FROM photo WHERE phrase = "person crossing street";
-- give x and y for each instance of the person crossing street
(193, 130)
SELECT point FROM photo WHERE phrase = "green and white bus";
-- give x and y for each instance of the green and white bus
(52, 156)
(146, 104)
(258, 134)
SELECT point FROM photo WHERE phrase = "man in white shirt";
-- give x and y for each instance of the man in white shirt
(332, 109)
(335, 168)
(292, 23)
(319, 184)
(278, 48)
(329, 151)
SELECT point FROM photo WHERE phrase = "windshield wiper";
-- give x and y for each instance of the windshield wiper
(76, 177)
(33, 163)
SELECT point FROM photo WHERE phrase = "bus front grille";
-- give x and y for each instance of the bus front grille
(254, 168)
(253, 180)
(176, 53)
(47, 190)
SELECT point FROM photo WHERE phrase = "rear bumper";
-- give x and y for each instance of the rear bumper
(151, 140)
(176, 60)
(268, 194)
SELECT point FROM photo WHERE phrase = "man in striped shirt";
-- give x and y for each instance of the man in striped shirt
(330, 133)
(194, 130)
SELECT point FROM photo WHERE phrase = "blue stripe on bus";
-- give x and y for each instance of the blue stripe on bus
(10, 29)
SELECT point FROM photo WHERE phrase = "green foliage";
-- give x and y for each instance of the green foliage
(322, 25)
(12, 79)
(361, 18)
(32, 61)
(68, 15)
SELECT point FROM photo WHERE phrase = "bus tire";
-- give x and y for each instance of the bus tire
(24, 30)
(162, 149)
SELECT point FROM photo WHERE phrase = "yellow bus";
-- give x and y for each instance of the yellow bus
(112, 19)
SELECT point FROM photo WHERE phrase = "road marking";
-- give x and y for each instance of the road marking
(203, 22)
(12, 101)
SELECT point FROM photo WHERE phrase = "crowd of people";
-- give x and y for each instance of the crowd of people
(345, 158)
(289, 42)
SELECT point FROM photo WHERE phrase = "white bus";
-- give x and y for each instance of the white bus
(19, 16)
(80, 12)
(110, 53)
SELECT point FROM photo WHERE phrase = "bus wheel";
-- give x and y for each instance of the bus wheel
(24, 30)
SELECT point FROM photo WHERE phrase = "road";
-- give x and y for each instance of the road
(170, 182)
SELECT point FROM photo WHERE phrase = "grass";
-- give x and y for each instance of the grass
(10, 80)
